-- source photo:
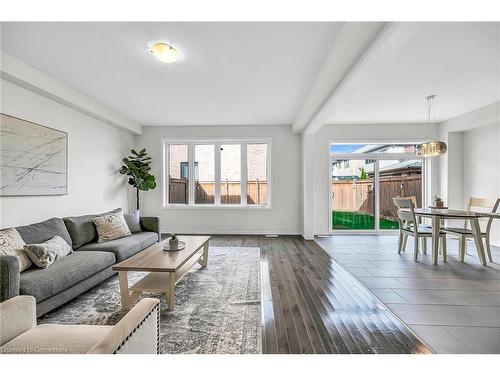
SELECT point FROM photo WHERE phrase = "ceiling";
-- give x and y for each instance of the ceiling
(459, 62)
(229, 73)
(261, 73)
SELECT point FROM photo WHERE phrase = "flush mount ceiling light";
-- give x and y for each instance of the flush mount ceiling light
(431, 148)
(164, 52)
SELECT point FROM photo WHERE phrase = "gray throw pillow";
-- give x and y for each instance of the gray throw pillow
(133, 221)
(44, 254)
(82, 229)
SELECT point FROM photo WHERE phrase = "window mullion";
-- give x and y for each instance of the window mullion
(244, 174)
(376, 202)
(166, 174)
(217, 173)
(191, 173)
(269, 172)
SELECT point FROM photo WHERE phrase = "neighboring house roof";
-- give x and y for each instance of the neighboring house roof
(406, 165)
(368, 148)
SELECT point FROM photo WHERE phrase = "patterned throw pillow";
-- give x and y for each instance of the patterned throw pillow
(11, 243)
(110, 227)
(44, 254)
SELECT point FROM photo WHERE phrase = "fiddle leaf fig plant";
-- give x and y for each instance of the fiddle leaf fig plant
(137, 167)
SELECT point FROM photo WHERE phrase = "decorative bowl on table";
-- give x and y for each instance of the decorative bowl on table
(181, 245)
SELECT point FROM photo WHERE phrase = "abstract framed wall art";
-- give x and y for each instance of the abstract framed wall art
(33, 158)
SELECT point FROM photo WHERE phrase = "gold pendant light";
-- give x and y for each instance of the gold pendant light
(431, 148)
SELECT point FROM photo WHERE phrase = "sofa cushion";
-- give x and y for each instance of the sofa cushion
(43, 231)
(124, 247)
(82, 228)
(70, 270)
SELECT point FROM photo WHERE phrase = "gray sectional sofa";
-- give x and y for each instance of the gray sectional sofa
(89, 264)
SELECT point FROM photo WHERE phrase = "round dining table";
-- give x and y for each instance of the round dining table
(436, 215)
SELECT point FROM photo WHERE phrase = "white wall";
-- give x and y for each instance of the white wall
(283, 218)
(471, 167)
(481, 177)
(357, 134)
(95, 151)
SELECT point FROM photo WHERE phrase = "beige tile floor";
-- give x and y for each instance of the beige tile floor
(454, 307)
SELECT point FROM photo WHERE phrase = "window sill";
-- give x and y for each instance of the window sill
(215, 207)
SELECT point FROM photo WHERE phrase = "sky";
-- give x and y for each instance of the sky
(345, 148)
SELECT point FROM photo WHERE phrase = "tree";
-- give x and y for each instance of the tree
(137, 166)
(362, 174)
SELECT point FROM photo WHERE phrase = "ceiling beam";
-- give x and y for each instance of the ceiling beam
(29, 78)
(383, 46)
(351, 43)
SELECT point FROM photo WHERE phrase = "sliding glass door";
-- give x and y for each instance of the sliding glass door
(398, 178)
(353, 195)
(364, 179)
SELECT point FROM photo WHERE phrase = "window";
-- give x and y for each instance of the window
(361, 196)
(205, 174)
(257, 174)
(357, 148)
(178, 181)
(230, 174)
(217, 173)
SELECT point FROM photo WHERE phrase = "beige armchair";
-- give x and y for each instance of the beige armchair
(136, 332)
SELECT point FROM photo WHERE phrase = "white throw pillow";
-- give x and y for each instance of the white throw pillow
(11, 243)
(110, 227)
(44, 254)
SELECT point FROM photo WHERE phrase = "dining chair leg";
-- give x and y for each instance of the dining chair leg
(462, 244)
(405, 240)
(424, 245)
(415, 250)
(400, 242)
(488, 248)
(436, 222)
(444, 249)
(478, 240)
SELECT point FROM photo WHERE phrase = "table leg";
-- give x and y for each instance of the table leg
(171, 292)
(205, 255)
(436, 221)
(476, 229)
(124, 291)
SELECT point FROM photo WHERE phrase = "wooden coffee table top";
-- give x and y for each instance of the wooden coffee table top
(154, 259)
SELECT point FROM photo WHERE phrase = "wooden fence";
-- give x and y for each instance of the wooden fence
(359, 195)
(205, 192)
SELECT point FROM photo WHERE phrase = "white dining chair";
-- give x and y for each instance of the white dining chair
(409, 226)
(464, 233)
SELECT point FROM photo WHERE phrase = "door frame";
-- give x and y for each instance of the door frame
(376, 178)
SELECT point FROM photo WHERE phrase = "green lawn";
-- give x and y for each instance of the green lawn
(358, 220)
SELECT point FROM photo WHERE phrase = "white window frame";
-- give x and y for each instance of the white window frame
(165, 143)
(377, 157)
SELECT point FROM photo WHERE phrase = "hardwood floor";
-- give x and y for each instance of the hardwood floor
(310, 304)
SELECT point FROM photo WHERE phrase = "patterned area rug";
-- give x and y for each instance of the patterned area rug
(217, 309)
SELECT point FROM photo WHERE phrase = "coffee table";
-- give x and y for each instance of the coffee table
(165, 269)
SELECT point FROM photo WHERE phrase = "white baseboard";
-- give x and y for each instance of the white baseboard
(234, 232)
